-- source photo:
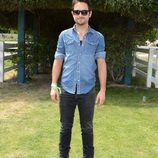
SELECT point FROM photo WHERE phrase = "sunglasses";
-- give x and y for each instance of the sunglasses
(83, 12)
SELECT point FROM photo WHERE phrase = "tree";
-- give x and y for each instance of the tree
(141, 10)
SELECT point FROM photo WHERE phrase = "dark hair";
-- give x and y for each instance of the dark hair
(84, 1)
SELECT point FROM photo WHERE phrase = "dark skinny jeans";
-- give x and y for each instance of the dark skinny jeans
(85, 103)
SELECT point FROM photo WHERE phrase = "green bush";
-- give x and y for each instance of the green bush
(120, 40)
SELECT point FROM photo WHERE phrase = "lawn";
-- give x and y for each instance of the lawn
(125, 127)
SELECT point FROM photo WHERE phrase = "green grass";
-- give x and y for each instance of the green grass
(8, 63)
(125, 127)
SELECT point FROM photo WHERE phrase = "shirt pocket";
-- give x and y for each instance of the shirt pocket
(91, 47)
(69, 46)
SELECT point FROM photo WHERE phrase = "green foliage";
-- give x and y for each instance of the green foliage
(37, 56)
(4, 30)
(11, 5)
(29, 59)
(8, 21)
(140, 10)
(120, 41)
(150, 34)
(116, 45)
(123, 5)
(8, 63)
(45, 55)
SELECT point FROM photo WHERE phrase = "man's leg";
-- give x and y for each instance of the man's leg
(86, 104)
(67, 109)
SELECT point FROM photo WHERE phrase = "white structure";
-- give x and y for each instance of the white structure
(9, 46)
(151, 74)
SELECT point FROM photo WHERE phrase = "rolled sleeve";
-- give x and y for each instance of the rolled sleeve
(100, 55)
(60, 51)
(100, 52)
(59, 56)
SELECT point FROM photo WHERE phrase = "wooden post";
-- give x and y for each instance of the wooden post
(1, 61)
(134, 64)
(21, 44)
(150, 67)
(156, 71)
(128, 58)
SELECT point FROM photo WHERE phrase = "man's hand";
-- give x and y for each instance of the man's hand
(100, 97)
(54, 95)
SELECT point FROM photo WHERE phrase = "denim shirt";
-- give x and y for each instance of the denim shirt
(79, 59)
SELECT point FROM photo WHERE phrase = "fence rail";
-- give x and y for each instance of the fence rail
(151, 72)
(7, 51)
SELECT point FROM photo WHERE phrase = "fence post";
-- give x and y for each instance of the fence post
(1, 61)
(149, 70)
(156, 71)
(134, 64)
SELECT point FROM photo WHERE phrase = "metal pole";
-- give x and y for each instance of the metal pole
(128, 58)
(21, 44)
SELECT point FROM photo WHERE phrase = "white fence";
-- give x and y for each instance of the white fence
(7, 51)
(151, 64)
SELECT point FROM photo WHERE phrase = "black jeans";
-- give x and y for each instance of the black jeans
(68, 103)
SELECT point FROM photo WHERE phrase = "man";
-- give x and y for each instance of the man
(78, 50)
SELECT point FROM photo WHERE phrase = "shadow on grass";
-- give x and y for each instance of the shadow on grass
(132, 97)
(117, 95)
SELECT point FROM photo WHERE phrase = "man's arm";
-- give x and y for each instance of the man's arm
(102, 74)
(56, 70)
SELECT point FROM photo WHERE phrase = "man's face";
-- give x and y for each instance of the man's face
(81, 13)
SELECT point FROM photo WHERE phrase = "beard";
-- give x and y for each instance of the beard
(81, 21)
